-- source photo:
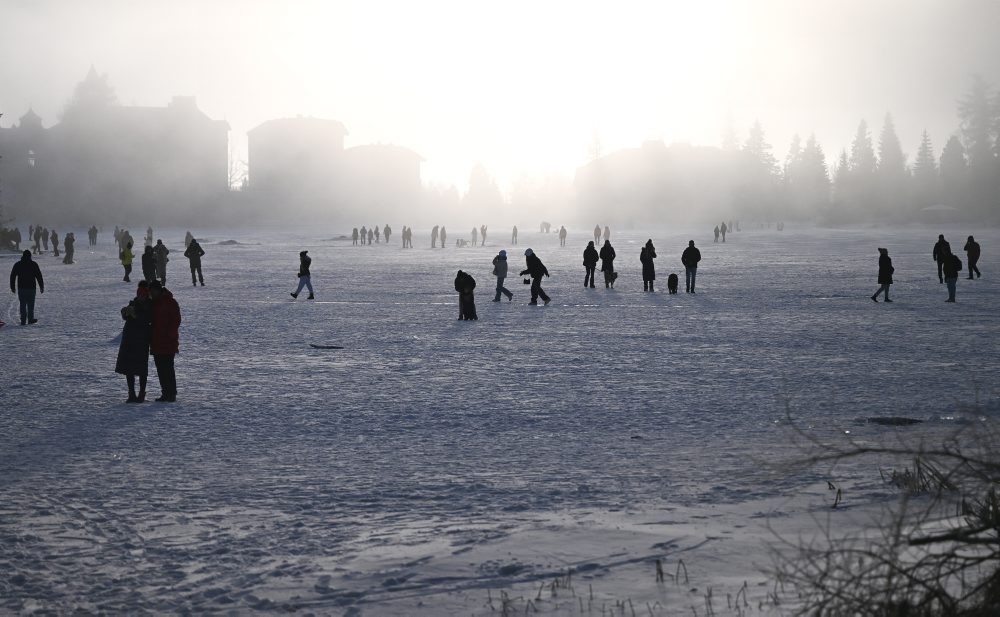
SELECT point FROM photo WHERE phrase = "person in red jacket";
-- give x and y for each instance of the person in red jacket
(165, 339)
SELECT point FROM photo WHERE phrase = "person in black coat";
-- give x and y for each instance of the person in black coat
(24, 275)
(885, 271)
(952, 266)
(972, 251)
(536, 270)
(941, 251)
(465, 285)
(590, 257)
(149, 264)
(305, 280)
(133, 352)
(608, 264)
(646, 257)
(194, 253)
(690, 258)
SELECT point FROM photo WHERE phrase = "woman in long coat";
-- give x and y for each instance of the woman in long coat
(133, 353)
(885, 271)
(646, 256)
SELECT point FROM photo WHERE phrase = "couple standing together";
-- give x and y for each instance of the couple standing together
(152, 324)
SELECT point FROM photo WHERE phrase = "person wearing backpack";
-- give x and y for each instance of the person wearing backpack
(952, 266)
(500, 271)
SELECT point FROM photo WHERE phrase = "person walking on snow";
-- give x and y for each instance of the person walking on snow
(194, 253)
(723, 229)
(23, 277)
(941, 251)
(716, 232)
(434, 237)
(354, 236)
(364, 235)
(126, 257)
(444, 236)
(690, 258)
(952, 266)
(500, 271)
(597, 234)
(972, 251)
(607, 233)
(160, 252)
(149, 264)
(513, 236)
(54, 238)
(475, 234)
(371, 237)
(133, 352)
(377, 233)
(608, 264)
(536, 270)
(69, 242)
(646, 257)
(590, 257)
(482, 235)
(385, 233)
(304, 280)
(164, 341)
(885, 271)
(562, 235)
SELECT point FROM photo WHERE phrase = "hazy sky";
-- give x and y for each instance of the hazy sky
(521, 86)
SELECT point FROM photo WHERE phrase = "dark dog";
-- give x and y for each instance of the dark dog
(672, 283)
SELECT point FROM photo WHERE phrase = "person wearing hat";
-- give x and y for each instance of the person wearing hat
(25, 274)
(885, 271)
(690, 258)
(536, 270)
(164, 340)
(304, 281)
(500, 271)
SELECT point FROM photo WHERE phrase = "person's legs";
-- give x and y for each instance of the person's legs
(536, 286)
(22, 299)
(694, 275)
(687, 278)
(165, 373)
(940, 264)
(500, 289)
(130, 379)
(952, 282)
(194, 281)
(309, 286)
(27, 300)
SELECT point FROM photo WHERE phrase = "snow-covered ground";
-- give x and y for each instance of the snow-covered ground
(439, 467)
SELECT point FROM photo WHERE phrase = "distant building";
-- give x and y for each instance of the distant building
(105, 161)
(302, 163)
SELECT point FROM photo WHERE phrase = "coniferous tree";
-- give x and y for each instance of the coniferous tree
(841, 178)
(760, 174)
(861, 185)
(979, 124)
(926, 182)
(814, 175)
(759, 151)
(954, 172)
(792, 160)
(892, 172)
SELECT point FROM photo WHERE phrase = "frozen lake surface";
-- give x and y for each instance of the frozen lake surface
(432, 464)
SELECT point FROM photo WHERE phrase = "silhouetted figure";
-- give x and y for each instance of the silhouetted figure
(952, 266)
(885, 271)
(513, 236)
(475, 234)
(38, 240)
(164, 341)
(304, 280)
(500, 271)
(607, 233)
(608, 264)
(536, 270)
(590, 257)
(646, 257)
(464, 285)
(148, 264)
(54, 239)
(385, 233)
(597, 234)
(69, 242)
(434, 237)
(482, 236)
(17, 239)
(126, 257)
(972, 253)
(723, 229)
(371, 236)
(92, 235)
(117, 235)
(716, 232)
(23, 278)
(160, 252)
(378, 233)
(149, 236)
(407, 237)
(45, 239)
(672, 283)
(194, 253)
(444, 236)
(941, 251)
(133, 351)
(690, 258)
(562, 235)
(364, 235)
(354, 236)
(187, 239)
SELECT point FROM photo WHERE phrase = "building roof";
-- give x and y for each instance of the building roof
(299, 123)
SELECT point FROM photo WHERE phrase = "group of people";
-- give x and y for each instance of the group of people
(152, 327)
(154, 260)
(371, 235)
(948, 267)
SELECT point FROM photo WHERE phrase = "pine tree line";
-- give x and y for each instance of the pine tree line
(876, 182)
